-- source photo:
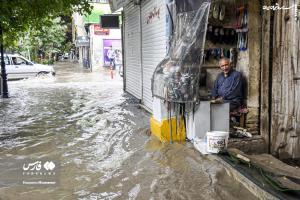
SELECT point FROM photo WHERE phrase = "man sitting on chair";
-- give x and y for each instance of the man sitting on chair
(228, 87)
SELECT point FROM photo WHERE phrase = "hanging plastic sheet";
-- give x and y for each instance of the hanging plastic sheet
(176, 77)
(187, 5)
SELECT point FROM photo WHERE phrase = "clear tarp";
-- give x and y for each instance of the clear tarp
(176, 78)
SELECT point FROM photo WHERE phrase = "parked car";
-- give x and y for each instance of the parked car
(18, 67)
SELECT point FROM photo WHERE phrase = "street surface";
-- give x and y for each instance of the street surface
(98, 134)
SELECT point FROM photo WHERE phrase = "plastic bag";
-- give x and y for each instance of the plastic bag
(176, 78)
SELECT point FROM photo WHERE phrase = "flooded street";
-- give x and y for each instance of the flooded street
(98, 134)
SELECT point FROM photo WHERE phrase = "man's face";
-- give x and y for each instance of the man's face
(225, 66)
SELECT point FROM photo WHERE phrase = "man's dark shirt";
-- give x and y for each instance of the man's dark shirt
(230, 88)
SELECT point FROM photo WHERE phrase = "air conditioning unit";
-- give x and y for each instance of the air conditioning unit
(137, 2)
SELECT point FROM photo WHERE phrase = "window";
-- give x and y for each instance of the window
(6, 60)
(18, 61)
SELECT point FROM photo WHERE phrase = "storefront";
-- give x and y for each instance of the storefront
(240, 31)
(154, 43)
(145, 43)
(88, 25)
(132, 53)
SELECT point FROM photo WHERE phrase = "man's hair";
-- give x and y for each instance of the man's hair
(224, 59)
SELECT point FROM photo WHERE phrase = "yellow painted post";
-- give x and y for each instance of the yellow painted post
(162, 129)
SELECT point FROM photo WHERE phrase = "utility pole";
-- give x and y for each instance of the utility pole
(3, 71)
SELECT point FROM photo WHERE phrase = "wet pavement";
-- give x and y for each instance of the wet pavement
(98, 134)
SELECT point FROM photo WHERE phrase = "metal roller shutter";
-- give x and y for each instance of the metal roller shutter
(153, 43)
(132, 43)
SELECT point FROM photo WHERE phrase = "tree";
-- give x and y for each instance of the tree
(17, 16)
(48, 40)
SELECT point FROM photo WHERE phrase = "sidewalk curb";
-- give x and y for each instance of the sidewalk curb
(251, 186)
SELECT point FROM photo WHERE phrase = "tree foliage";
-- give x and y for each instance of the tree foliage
(17, 16)
(48, 40)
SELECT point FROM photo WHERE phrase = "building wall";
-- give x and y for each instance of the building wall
(145, 46)
(78, 30)
(132, 51)
(97, 45)
(285, 72)
(280, 86)
(249, 65)
(95, 51)
(248, 61)
(153, 21)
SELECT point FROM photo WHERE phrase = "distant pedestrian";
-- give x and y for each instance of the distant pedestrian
(111, 56)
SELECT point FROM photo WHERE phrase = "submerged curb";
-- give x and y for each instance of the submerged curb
(246, 182)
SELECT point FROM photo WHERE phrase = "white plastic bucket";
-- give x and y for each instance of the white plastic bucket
(216, 141)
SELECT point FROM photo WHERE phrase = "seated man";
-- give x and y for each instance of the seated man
(228, 87)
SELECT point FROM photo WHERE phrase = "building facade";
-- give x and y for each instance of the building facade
(92, 52)
(268, 62)
(145, 44)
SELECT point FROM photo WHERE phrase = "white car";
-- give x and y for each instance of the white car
(18, 67)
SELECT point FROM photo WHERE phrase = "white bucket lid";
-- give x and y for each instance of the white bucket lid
(217, 133)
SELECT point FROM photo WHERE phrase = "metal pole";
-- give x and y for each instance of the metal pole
(123, 50)
(3, 71)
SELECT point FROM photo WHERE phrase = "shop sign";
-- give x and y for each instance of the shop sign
(100, 31)
(155, 13)
(82, 41)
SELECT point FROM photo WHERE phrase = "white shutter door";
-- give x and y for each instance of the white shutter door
(132, 43)
(153, 43)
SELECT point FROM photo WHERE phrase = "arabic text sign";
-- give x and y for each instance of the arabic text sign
(82, 41)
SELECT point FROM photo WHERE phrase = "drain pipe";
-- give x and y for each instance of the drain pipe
(123, 49)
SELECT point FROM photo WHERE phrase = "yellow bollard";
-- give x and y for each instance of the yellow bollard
(162, 129)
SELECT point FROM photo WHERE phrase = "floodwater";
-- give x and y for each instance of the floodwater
(98, 134)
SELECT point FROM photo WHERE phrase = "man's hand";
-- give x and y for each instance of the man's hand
(217, 100)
